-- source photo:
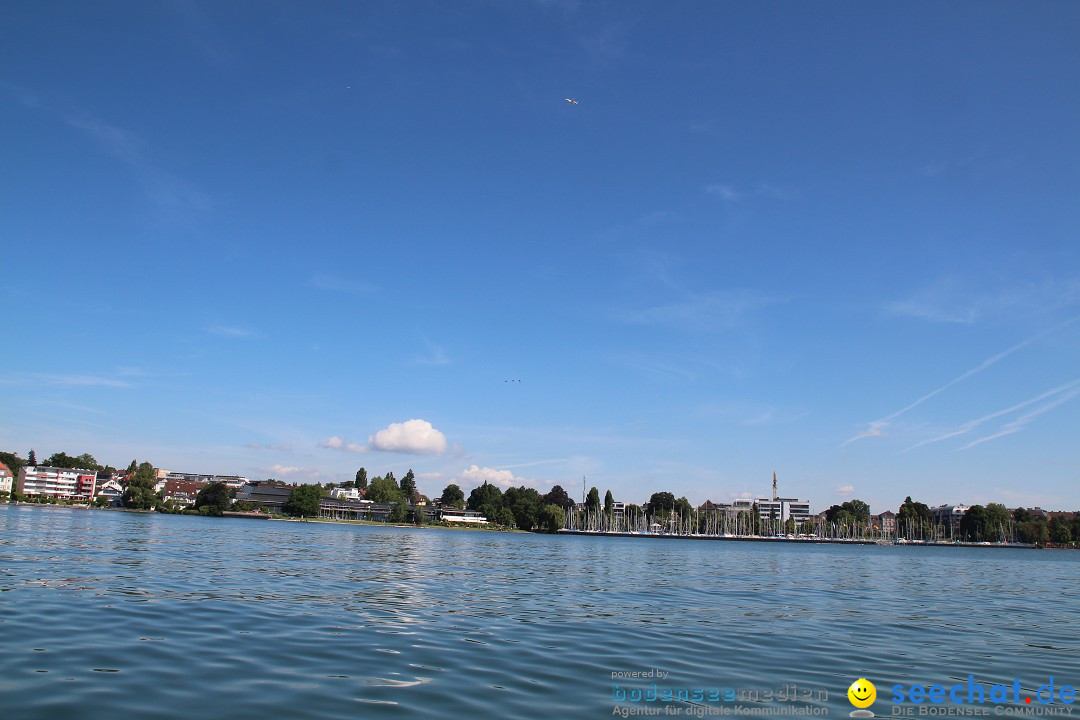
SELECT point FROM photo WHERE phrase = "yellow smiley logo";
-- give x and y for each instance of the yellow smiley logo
(862, 693)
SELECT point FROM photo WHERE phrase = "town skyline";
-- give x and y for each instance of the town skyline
(282, 243)
(103, 474)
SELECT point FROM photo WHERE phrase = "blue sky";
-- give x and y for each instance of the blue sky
(835, 240)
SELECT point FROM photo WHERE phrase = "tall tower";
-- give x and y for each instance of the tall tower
(775, 497)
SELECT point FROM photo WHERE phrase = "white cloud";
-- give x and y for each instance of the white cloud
(284, 470)
(337, 443)
(290, 471)
(475, 475)
(845, 490)
(412, 436)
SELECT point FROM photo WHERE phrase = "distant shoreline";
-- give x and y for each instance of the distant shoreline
(588, 533)
(803, 541)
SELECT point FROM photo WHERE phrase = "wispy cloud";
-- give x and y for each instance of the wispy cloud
(435, 356)
(62, 380)
(845, 490)
(968, 300)
(334, 283)
(727, 193)
(733, 195)
(716, 310)
(876, 428)
(280, 447)
(231, 331)
(175, 197)
(948, 300)
(199, 30)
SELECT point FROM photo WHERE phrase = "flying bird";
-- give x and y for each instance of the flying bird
(571, 101)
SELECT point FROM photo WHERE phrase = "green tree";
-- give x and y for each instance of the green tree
(384, 490)
(503, 517)
(31, 459)
(215, 497)
(303, 501)
(132, 467)
(609, 503)
(755, 519)
(913, 520)
(139, 493)
(1034, 531)
(551, 518)
(558, 496)
(1060, 531)
(973, 524)
(453, 497)
(483, 496)
(997, 522)
(859, 510)
(86, 461)
(13, 461)
(408, 486)
(524, 504)
(60, 460)
(661, 503)
(400, 512)
(592, 501)
(361, 479)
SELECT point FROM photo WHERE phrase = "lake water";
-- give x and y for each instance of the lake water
(116, 615)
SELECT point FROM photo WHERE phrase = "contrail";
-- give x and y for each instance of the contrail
(875, 427)
(972, 424)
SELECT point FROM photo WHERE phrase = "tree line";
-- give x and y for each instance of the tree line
(524, 508)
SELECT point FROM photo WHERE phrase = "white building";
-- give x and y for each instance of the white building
(6, 479)
(462, 517)
(110, 489)
(61, 483)
(784, 508)
(346, 494)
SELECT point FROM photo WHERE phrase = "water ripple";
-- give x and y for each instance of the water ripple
(234, 619)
